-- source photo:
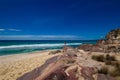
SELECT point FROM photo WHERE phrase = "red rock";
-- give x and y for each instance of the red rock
(90, 47)
(36, 72)
(53, 67)
(57, 75)
(104, 77)
(87, 73)
(72, 74)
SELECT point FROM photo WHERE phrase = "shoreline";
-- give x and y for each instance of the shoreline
(14, 66)
(30, 52)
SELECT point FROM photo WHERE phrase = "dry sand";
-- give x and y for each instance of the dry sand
(14, 66)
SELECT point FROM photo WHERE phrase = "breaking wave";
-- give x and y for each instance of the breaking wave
(37, 45)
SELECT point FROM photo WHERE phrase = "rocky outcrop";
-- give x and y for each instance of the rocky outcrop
(70, 51)
(38, 71)
(57, 75)
(87, 73)
(113, 37)
(90, 47)
(63, 67)
(111, 43)
(53, 69)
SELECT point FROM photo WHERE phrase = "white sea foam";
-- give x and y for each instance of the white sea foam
(36, 45)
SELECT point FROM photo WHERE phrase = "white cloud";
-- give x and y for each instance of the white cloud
(14, 29)
(39, 37)
(2, 29)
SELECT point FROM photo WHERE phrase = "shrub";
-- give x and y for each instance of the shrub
(108, 62)
(117, 65)
(103, 70)
(110, 58)
(100, 58)
(116, 72)
(107, 59)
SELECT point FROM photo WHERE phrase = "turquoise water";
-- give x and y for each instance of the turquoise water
(22, 46)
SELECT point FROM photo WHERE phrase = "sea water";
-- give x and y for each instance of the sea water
(8, 47)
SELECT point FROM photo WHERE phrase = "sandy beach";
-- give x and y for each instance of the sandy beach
(14, 66)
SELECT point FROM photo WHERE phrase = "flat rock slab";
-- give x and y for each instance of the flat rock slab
(36, 72)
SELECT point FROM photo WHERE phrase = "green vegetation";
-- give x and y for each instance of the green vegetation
(99, 58)
(103, 70)
(109, 60)
(114, 73)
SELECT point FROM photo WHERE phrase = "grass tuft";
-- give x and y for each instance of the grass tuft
(99, 58)
(109, 60)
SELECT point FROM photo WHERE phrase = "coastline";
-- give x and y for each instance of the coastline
(14, 66)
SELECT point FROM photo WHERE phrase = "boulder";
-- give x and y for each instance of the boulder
(99, 42)
(38, 71)
(54, 52)
(53, 67)
(90, 47)
(86, 47)
(87, 73)
(57, 75)
(70, 51)
(71, 72)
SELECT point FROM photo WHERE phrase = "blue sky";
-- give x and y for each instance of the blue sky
(58, 19)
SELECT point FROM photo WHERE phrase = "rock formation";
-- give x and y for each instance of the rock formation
(113, 37)
(69, 66)
(70, 51)
(111, 43)
(53, 69)
(90, 47)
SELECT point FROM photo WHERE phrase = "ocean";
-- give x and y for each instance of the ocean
(8, 47)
